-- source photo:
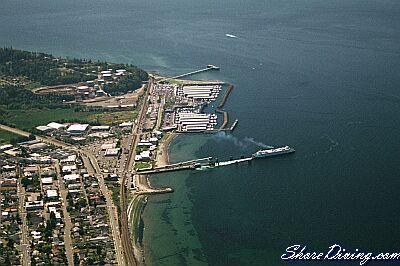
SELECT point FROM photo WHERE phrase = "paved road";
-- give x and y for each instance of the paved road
(69, 252)
(15, 130)
(91, 162)
(25, 243)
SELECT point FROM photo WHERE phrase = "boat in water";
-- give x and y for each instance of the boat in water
(273, 152)
(230, 35)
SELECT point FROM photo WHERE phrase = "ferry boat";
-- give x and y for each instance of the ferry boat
(273, 152)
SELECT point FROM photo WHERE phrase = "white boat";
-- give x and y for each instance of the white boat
(230, 35)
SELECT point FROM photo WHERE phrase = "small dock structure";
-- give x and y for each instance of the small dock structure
(187, 165)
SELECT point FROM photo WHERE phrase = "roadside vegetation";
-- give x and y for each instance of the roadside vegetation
(136, 222)
(7, 137)
(115, 194)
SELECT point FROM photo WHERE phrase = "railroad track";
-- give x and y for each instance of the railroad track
(127, 244)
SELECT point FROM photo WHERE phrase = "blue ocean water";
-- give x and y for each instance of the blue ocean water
(321, 76)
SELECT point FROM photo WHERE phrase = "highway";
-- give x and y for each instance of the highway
(127, 243)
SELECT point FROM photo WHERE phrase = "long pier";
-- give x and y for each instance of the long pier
(208, 68)
(192, 165)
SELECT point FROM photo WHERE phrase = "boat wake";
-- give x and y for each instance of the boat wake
(245, 143)
(257, 143)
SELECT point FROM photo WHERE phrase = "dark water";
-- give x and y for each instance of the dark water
(322, 76)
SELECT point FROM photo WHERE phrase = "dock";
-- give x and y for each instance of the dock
(234, 125)
(187, 165)
(208, 68)
(203, 163)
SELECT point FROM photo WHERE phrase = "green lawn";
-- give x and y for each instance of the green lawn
(27, 119)
(142, 165)
(110, 118)
(6, 136)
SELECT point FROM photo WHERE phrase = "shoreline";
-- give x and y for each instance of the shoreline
(136, 223)
(163, 152)
(163, 158)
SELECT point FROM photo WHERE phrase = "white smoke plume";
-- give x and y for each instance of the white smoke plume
(245, 143)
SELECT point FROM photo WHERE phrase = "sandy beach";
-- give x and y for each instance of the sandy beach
(162, 152)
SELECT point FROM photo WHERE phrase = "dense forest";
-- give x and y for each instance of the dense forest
(17, 97)
(127, 83)
(39, 67)
(46, 69)
(49, 70)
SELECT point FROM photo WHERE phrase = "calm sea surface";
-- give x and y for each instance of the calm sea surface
(321, 76)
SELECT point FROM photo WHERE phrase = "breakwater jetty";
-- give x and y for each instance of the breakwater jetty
(225, 113)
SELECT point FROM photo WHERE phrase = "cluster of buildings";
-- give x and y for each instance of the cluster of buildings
(45, 223)
(95, 88)
(184, 106)
(153, 109)
(199, 93)
(111, 148)
(92, 89)
(147, 146)
(86, 205)
(43, 191)
(10, 221)
(76, 132)
(189, 121)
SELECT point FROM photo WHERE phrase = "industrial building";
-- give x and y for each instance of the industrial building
(208, 93)
(189, 122)
(77, 129)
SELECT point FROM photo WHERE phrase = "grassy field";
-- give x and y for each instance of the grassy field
(6, 136)
(142, 165)
(109, 118)
(27, 119)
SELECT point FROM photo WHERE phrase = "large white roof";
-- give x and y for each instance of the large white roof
(83, 87)
(66, 168)
(47, 180)
(145, 154)
(43, 128)
(71, 177)
(52, 193)
(55, 125)
(78, 127)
